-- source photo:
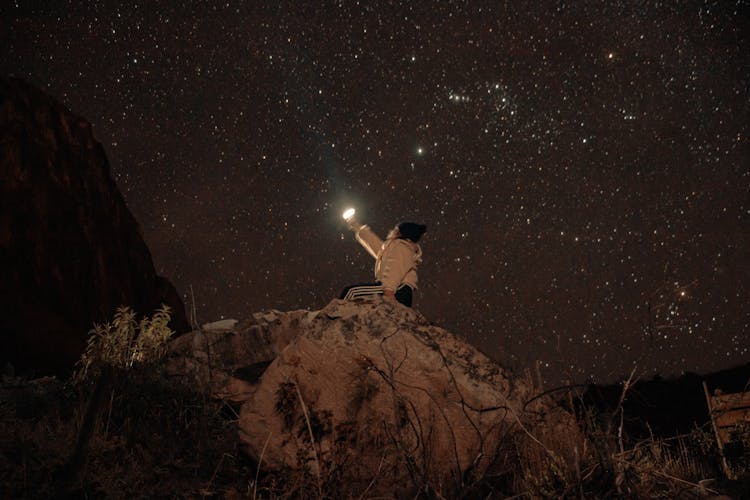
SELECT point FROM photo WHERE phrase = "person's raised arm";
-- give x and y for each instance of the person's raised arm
(369, 240)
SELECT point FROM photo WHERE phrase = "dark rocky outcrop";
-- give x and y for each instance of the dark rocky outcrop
(372, 394)
(70, 250)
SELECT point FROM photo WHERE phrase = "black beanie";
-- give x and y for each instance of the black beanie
(411, 230)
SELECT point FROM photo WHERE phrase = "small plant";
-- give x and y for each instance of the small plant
(125, 342)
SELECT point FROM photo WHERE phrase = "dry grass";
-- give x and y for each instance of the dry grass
(593, 458)
(156, 439)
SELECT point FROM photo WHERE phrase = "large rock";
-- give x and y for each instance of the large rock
(226, 358)
(393, 403)
(70, 250)
(390, 403)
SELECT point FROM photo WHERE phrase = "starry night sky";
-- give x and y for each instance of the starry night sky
(583, 167)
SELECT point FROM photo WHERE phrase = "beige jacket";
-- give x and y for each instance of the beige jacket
(396, 259)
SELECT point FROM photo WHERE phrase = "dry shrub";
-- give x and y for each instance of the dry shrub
(124, 343)
(587, 455)
(554, 457)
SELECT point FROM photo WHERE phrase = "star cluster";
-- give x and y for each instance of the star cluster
(582, 167)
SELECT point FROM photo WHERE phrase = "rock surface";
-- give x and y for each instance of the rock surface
(226, 358)
(70, 250)
(392, 402)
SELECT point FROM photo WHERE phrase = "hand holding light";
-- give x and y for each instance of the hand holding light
(348, 216)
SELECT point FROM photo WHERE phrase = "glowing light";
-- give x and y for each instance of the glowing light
(348, 213)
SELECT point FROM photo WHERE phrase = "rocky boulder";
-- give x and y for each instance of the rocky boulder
(227, 358)
(371, 395)
(70, 250)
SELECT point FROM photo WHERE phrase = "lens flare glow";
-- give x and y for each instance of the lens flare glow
(348, 213)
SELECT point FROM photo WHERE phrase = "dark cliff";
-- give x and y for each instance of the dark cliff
(70, 250)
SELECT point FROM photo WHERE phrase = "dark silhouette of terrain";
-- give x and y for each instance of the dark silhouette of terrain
(667, 406)
(70, 250)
